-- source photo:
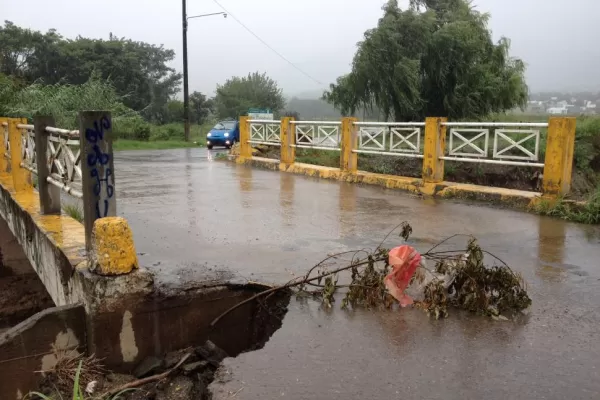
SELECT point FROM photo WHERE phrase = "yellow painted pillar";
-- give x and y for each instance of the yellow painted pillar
(349, 159)
(3, 131)
(21, 176)
(288, 140)
(245, 147)
(558, 165)
(434, 147)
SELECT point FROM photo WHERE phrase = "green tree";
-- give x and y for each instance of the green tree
(436, 58)
(174, 111)
(138, 71)
(237, 95)
(8, 90)
(200, 107)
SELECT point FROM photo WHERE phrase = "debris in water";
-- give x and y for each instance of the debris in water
(404, 261)
(459, 279)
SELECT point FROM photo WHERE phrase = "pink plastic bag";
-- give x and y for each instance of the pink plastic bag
(404, 261)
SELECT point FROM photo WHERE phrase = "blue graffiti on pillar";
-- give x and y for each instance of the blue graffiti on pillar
(94, 159)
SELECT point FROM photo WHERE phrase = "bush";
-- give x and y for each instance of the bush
(64, 102)
(587, 143)
(168, 132)
(131, 128)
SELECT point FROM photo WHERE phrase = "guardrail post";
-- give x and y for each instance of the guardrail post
(97, 169)
(3, 131)
(49, 194)
(349, 159)
(21, 176)
(245, 147)
(558, 164)
(288, 139)
(434, 147)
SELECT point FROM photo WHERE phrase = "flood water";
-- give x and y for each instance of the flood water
(195, 220)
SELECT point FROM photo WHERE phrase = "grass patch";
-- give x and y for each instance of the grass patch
(587, 213)
(74, 211)
(318, 157)
(168, 136)
(126, 144)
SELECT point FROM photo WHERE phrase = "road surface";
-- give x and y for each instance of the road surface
(197, 219)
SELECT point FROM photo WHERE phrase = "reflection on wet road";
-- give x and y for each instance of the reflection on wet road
(195, 219)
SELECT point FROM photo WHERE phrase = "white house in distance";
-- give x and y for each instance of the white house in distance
(558, 110)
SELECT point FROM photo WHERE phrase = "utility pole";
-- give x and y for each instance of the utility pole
(186, 94)
(186, 91)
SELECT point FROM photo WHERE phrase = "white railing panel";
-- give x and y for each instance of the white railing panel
(265, 132)
(514, 144)
(405, 140)
(28, 156)
(64, 160)
(317, 134)
(460, 145)
(273, 132)
(372, 137)
(257, 132)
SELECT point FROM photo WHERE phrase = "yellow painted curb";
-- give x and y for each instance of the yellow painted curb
(512, 198)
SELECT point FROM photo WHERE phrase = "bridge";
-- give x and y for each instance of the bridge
(202, 225)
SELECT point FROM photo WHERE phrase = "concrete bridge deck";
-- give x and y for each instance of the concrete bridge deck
(199, 220)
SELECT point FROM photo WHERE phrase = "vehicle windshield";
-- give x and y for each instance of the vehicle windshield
(225, 125)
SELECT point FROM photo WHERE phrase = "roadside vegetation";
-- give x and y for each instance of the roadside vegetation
(587, 212)
(88, 368)
(43, 73)
(74, 211)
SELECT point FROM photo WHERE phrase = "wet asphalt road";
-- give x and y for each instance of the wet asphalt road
(195, 220)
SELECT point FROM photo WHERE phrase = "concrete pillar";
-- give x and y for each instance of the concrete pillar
(349, 159)
(245, 147)
(49, 194)
(288, 140)
(558, 165)
(97, 169)
(3, 132)
(112, 249)
(21, 176)
(434, 147)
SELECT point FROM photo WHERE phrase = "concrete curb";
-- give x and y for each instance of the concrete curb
(511, 198)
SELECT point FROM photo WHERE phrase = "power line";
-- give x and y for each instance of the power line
(267, 45)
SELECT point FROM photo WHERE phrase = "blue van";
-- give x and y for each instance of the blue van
(224, 133)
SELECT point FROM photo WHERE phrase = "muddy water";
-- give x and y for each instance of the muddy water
(196, 219)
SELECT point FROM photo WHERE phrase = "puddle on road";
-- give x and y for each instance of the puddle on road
(381, 355)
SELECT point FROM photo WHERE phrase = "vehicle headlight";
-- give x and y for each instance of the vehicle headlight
(226, 134)
(208, 134)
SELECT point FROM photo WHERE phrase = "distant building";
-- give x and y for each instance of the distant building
(558, 110)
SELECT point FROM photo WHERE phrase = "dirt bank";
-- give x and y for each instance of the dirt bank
(22, 294)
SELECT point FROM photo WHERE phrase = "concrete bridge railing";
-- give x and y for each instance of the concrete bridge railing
(434, 141)
(80, 164)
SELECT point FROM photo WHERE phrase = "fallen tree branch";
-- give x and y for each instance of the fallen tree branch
(459, 278)
(143, 381)
(289, 285)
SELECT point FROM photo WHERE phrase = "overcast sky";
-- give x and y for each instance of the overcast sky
(558, 39)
